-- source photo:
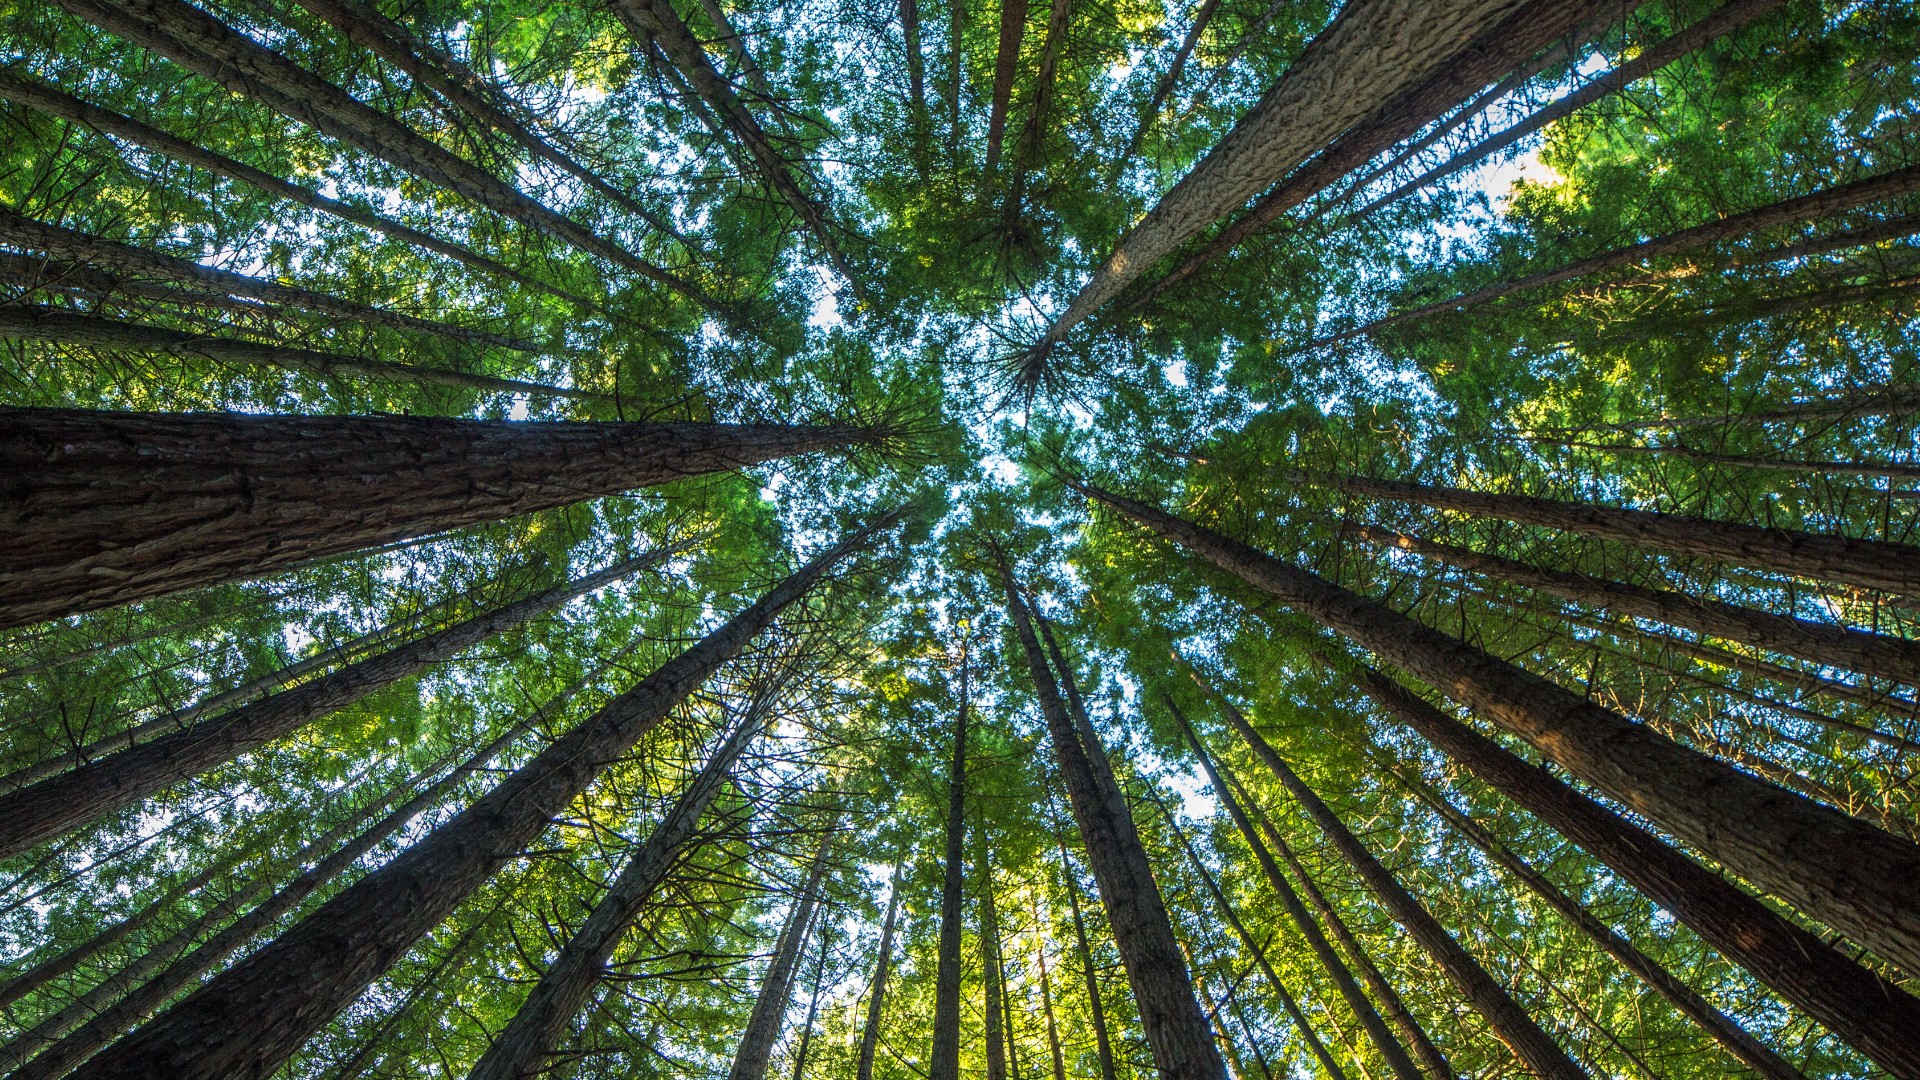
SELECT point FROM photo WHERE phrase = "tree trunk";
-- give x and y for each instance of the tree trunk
(877, 993)
(1390, 1049)
(1863, 1009)
(994, 978)
(1097, 1009)
(956, 70)
(1035, 130)
(202, 44)
(737, 47)
(1374, 50)
(1823, 643)
(916, 62)
(1175, 1027)
(776, 990)
(62, 327)
(295, 985)
(107, 508)
(20, 231)
(1685, 1000)
(945, 1062)
(1006, 64)
(25, 91)
(1889, 470)
(1729, 18)
(1856, 878)
(1170, 79)
(813, 1011)
(1509, 1022)
(1867, 564)
(1046, 1009)
(1877, 401)
(60, 804)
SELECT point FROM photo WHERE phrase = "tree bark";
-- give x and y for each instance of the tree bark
(1035, 130)
(994, 1008)
(105, 508)
(1867, 564)
(1856, 878)
(1863, 1009)
(1823, 643)
(1509, 1022)
(945, 1060)
(1383, 1041)
(877, 993)
(1175, 1026)
(29, 322)
(1013, 31)
(60, 804)
(1097, 1009)
(776, 990)
(295, 985)
(18, 88)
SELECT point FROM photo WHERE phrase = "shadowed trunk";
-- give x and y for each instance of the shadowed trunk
(1046, 1009)
(294, 986)
(776, 990)
(877, 993)
(107, 508)
(1006, 64)
(916, 63)
(992, 976)
(813, 1010)
(1170, 79)
(1035, 130)
(737, 47)
(1877, 401)
(945, 1063)
(1096, 1007)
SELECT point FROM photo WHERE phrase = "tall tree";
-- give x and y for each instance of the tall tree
(944, 1063)
(877, 990)
(776, 988)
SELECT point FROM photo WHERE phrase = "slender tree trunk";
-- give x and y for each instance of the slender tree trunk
(1028, 145)
(1390, 1049)
(57, 326)
(1729, 18)
(1097, 1009)
(1171, 78)
(18, 88)
(1685, 1000)
(112, 256)
(202, 44)
(776, 990)
(737, 47)
(956, 70)
(1868, 564)
(57, 805)
(1374, 50)
(1046, 1009)
(877, 993)
(916, 62)
(1856, 878)
(1823, 643)
(1509, 1022)
(1889, 470)
(945, 1060)
(813, 1010)
(1176, 1029)
(1877, 401)
(294, 986)
(992, 975)
(1861, 1008)
(1006, 64)
(107, 508)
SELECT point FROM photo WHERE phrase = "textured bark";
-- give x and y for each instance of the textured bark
(1805, 208)
(944, 1063)
(1176, 1028)
(1729, 18)
(1374, 50)
(1509, 1022)
(70, 245)
(104, 508)
(1006, 64)
(18, 88)
(776, 989)
(1835, 868)
(295, 985)
(1863, 1009)
(1867, 564)
(1395, 1055)
(877, 993)
(204, 45)
(27, 322)
(992, 977)
(58, 805)
(1685, 1000)
(1530, 29)
(1823, 643)
(1096, 1007)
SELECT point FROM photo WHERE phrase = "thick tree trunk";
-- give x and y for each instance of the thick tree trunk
(1825, 644)
(1383, 1041)
(69, 245)
(776, 990)
(1842, 871)
(106, 508)
(992, 976)
(1685, 1000)
(202, 44)
(58, 805)
(1175, 1026)
(1374, 50)
(1863, 1009)
(58, 326)
(1729, 18)
(877, 993)
(18, 88)
(945, 1059)
(1006, 64)
(1508, 1021)
(1868, 564)
(294, 986)
(1096, 1006)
